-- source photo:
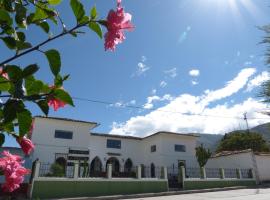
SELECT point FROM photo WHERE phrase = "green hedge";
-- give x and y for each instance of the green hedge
(204, 184)
(65, 189)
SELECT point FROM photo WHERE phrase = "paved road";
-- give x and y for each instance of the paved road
(244, 194)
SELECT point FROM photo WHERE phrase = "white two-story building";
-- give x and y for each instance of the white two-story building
(66, 141)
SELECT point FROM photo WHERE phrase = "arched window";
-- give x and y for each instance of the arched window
(115, 164)
(96, 165)
(128, 165)
(153, 170)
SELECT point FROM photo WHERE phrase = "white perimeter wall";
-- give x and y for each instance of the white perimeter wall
(263, 165)
(243, 160)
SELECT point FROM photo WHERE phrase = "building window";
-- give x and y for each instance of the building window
(180, 148)
(115, 144)
(78, 152)
(63, 134)
(78, 158)
(153, 148)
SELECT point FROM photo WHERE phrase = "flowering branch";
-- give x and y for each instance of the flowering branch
(36, 48)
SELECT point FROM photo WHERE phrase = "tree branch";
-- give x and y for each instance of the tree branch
(43, 43)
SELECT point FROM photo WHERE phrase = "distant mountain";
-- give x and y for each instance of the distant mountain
(211, 141)
(264, 130)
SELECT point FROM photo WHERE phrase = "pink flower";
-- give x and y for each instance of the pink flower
(117, 22)
(56, 103)
(26, 145)
(3, 74)
(13, 170)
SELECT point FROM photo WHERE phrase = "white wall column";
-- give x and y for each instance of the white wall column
(239, 174)
(37, 168)
(109, 171)
(139, 172)
(76, 170)
(165, 173)
(222, 173)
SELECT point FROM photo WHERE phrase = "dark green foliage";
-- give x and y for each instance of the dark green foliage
(242, 140)
(18, 84)
(202, 155)
(265, 87)
(57, 170)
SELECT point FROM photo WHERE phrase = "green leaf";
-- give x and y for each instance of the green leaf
(54, 2)
(96, 28)
(10, 42)
(23, 45)
(54, 59)
(45, 26)
(8, 127)
(43, 12)
(21, 36)
(25, 121)
(11, 107)
(43, 105)
(73, 33)
(29, 70)
(63, 96)
(4, 85)
(33, 86)
(2, 139)
(93, 13)
(14, 72)
(78, 9)
(7, 5)
(20, 16)
(5, 18)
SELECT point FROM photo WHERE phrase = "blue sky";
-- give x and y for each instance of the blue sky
(184, 57)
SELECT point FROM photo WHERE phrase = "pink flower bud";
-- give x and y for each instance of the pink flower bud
(26, 145)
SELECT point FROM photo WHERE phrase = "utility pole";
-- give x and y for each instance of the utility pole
(245, 118)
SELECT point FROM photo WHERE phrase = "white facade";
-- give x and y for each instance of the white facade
(247, 159)
(138, 150)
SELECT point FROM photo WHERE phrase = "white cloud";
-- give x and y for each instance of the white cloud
(117, 104)
(248, 63)
(143, 59)
(231, 87)
(154, 91)
(171, 72)
(186, 113)
(163, 84)
(257, 81)
(184, 35)
(194, 82)
(194, 72)
(150, 100)
(141, 67)
(132, 102)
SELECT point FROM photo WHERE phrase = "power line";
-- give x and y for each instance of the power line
(159, 110)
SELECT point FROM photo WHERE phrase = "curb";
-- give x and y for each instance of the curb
(133, 196)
